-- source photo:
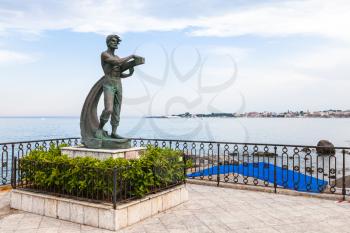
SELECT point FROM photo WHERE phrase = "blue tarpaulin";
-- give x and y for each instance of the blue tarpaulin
(288, 179)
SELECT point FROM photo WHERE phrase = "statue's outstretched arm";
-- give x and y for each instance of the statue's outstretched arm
(128, 58)
(115, 60)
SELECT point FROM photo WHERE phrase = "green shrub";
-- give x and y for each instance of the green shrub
(93, 178)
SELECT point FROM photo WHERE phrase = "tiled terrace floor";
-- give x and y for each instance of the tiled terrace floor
(210, 209)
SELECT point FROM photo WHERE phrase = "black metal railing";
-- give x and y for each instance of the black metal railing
(296, 167)
(9, 150)
(101, 185)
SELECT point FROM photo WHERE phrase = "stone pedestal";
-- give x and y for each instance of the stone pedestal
(98, 215)
(81, 151)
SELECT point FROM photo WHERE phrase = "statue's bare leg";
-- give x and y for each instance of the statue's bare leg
(107, 111)
(115, 117)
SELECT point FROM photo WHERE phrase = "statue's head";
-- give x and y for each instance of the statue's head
(112, 41)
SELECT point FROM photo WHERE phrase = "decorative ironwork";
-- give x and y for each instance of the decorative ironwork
(210, 161)
(9, 150)
(4, 162)
(255, 164)
(297, 167)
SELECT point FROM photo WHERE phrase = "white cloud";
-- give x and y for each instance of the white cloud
(285, 79)
(313, 17)
(7, 56)
(322, 58)
(323, 18)
(279, 88)
(326, 62)
(84, 16)
(232, 51)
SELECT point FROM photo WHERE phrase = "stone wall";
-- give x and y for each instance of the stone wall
(98, 215)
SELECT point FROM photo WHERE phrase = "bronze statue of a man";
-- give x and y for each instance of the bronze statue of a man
(112, 86)
(115, 68)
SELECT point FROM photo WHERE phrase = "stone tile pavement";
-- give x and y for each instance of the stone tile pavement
(210, 209)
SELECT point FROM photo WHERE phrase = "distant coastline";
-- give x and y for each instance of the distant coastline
(288, 114)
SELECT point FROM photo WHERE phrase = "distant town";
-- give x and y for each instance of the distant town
(288, 114)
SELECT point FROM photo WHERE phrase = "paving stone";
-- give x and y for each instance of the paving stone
(29, 222)
(10, 222)
(26, 231)
(48, 222)
(88, 229)
(48, 230)
(6, 231)
(69, 227)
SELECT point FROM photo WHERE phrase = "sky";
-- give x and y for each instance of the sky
(201, 56)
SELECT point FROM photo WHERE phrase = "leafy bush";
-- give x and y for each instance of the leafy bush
(93, 178)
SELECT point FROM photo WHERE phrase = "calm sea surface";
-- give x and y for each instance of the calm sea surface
(258, 130)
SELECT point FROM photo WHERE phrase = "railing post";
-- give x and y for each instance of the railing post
(114, 195)
(274, 171)
(343, 188)
(14, 172)
(185, 167)
(13, 161)
(218, 166)
(12, 151)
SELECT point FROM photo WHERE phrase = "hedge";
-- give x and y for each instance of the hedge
(89, 177)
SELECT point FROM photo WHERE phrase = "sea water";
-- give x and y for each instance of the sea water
(304, 131)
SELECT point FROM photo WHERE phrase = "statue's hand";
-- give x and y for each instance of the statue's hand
(131, 71)
(139, 60)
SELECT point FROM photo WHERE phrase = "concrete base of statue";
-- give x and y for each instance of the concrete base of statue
(106, 143)
(101, 215)
(81, 151)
